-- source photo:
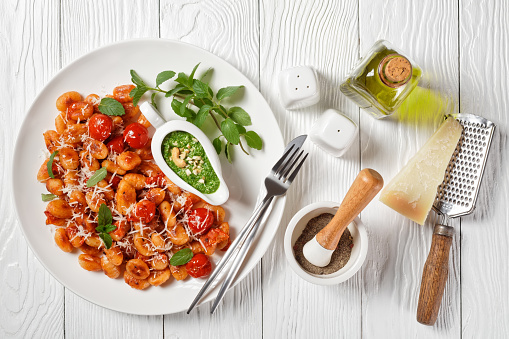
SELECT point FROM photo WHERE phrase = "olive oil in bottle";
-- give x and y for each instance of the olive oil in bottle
(382, 80)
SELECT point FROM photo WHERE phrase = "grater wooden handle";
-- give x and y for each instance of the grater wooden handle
(434, 275)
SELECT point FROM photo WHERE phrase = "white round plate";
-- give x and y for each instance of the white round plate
(99, 72)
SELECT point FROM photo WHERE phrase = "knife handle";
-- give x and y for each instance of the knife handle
(434, 275)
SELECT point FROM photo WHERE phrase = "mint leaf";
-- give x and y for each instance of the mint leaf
(106, 238)
(191, 76)
(241, 129)
(227, 92)
(47, 197)
(163, 77)
(176, 106)
(201, 89)
(152, 99)
(137, 93)
(49, 165)
(110, 106)
(182, 79)
(253, 140)
(217, 145)
(104, 216)
(227, 152)
(135, 78)
(230, 131)
(177, 89)
(239, 116)
(183, 106)
(182, 257)
(106, 228)
(98, 175)
(221, 111)
(203, 113)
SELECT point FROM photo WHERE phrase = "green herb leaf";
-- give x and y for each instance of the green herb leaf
(106, 228)
(135, 78)
(217, 145)
(226, 92)
(203, 113)
(182, 79)
(110, 106)
(182, 257)
(174, 91)
(241, 129)
(191, 76)
(47, 197)
(227, 152)
(137, 93)
(184, 104)
(253, 140)
(201, 89)
(152, 99)
(239, 116)
(230, 131)
(98, 175)
(49, 164)
(106, 238)
(104, 217)
(163, 77)
(176, 106)
(221, 111)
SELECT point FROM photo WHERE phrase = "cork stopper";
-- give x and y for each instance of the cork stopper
(395, 70)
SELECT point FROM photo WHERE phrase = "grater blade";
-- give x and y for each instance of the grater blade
(457, 194)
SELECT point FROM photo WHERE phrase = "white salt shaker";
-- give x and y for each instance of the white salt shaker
(298, 87)
(333, 132)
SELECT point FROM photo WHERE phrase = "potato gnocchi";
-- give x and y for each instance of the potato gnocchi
(153, 218)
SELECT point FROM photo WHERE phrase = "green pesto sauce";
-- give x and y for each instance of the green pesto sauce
(198, 171)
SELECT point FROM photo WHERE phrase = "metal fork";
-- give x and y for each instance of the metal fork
(277, 183)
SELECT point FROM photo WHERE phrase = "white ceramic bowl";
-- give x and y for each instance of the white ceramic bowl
(297, 225)
(163, 128)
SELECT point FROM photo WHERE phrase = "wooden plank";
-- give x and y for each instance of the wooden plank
(228, 29)
(322, 35)
(87, 25)
(427, 31)
(32, 301)
(485, 234)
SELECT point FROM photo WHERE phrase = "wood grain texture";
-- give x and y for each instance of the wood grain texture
(434, 277)
(228, 29)
(321, 34)
(427, 31)
(463, 49)
(31, 300)
(86, 25)
(484, 54)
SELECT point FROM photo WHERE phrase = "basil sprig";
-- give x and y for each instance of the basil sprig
(182, 257)
(104, 221)
(47, 197)
(98, 175)
(110, 106)
(49, 164)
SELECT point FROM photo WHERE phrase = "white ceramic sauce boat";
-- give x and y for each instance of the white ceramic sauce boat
(163, 128)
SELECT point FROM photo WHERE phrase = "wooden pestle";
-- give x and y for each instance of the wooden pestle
(364, 188)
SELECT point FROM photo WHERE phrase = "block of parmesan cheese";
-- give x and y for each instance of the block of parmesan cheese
(412, 191)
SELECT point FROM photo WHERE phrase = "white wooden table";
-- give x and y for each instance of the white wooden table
(463, 46)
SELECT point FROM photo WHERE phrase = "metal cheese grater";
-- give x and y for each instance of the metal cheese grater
(456, 197)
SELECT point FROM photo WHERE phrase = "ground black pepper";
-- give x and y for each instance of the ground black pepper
(340, 256)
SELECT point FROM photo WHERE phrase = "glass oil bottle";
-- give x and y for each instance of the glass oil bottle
(382, 80)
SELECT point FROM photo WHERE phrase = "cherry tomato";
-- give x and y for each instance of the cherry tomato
(199, 266)
(100, 126)
(200, 220)
(145, 211)
(136, 135)
(116, 144)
